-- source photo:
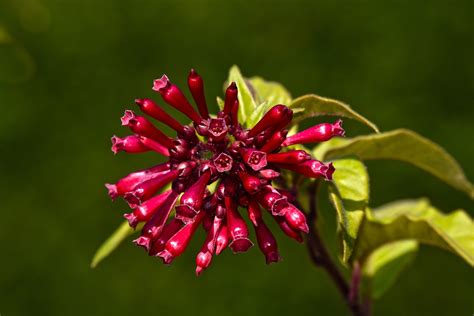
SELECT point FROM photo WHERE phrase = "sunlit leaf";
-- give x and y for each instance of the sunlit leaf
(270, 92)
(315, 105)
(384, 265)
(418, 220)
(406, 146)
(109, 245)
(350, 196)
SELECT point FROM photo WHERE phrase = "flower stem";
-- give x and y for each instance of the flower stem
(321, 258)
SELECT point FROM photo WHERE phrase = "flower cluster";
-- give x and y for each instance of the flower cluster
(240, 163)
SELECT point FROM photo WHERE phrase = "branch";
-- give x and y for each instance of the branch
(321, 258)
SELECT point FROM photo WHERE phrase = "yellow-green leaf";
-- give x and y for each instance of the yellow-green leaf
(418, 220)
(384, 265)
(315, 105)
(270, 92)
(114, 240)
(350, 196)
(406, 146)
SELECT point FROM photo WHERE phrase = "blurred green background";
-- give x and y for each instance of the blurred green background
(68, 69)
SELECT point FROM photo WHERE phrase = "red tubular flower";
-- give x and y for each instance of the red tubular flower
(230, 98)
(289, 157)
(267, 243)
(143, 212)
(196, 86)
(174, 97)
(176, 245)
(252, 184)
(253, 158)
(312, 169)
(272, 200)
(151, 108)
(130, 144)
(237, 228)
(222, 239)
(274, 142)
(316, 134)
(169, 230)
(277, 117)
(255, 214)
(192, 199)
(269, 174)
(290, 232)
(143, 127)
(129, 182)
(147, 189)
(296, 219)
(155, 146)
(204, 257)
(153, 227)
(241, 163)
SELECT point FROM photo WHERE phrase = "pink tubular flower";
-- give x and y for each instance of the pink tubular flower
(215, 168)
(318, 133)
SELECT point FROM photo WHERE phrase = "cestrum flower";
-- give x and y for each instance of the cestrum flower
(241, 164)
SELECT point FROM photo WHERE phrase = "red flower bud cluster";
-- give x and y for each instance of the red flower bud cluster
(242, 163)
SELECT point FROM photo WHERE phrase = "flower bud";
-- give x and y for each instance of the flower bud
(316, 134)
(204, 257)
(196, 86)
(174, 97)
(255, 214)
(251, 183)
(147, 189)
(269, 174)
(145, 211)
(230, 98)
(277, 117)
(155, 146)
(176, 245)
(153, 227)
(150, 108)
(158, 244)
(286, 228)
(234, 114)
(296, 219)
(222, 239)
(289, 157)
(274, 142)
(141, 126)
(128, 183)
(237, 228)
(267, 243)
(192, 199)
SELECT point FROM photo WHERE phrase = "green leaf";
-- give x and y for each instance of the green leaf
(247, 102)
(415, 219)
(406, 146)
(220, 103)
(350, 195)
(385, 264)
(315, 105)
(270, 92)
(114, 240)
